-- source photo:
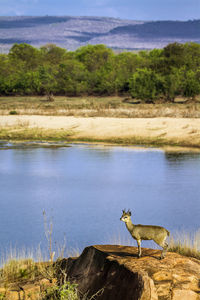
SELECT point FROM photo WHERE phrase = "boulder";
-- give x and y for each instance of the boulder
(114, 272)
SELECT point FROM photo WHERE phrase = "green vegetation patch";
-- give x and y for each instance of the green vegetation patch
(96, 70)
(13, 112)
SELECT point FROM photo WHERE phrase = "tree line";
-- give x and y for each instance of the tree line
(97, 70)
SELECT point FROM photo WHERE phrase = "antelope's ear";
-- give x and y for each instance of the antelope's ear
(123, 210)
(129, 212)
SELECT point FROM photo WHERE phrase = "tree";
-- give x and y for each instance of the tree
(47, 80)
(71, 78)
(122, 68)
(24, 56)
(93, 57)
(192, 56)
(156, 61)
(174, 57)
(190, 84)
(52, 54)
(172, 84)
(145, 84)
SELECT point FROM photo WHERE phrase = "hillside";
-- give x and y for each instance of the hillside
(73, 32)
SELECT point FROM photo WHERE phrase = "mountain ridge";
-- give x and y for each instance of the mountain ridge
(73, 32)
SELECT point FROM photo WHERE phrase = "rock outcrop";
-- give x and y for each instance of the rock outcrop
(115, 272)
(25, 290)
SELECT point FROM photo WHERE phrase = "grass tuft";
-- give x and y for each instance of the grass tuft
(186, 244)
(21, 133)
(18, 269)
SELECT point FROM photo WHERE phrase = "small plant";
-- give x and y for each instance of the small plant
(67, 291)
(13, 112)
(2, 296)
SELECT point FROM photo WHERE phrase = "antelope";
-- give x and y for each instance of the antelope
(146, 232)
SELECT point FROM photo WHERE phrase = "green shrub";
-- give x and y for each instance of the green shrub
(13, 112)
(67, 291)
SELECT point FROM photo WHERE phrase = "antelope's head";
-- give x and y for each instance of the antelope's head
(125, 216)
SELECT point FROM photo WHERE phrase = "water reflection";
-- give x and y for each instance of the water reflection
(181, 157)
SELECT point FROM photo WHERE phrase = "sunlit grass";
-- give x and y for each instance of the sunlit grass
(37, 134)
(30, 264)
(20, 264)
(187, 244)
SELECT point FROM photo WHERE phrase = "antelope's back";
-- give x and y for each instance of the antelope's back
(149, 232)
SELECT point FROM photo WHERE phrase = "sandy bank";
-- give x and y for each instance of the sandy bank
(179, 131)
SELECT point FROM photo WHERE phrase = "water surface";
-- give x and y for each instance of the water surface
(84, 188)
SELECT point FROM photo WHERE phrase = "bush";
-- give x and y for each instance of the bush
(13, 112)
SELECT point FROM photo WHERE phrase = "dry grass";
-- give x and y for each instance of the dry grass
(19, 265)
(24, 133)
(17, 270)
(96, 107)
(186, 244)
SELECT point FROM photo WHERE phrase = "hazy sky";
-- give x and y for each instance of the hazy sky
(125, 9)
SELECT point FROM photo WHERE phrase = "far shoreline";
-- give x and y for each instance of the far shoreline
(60, 144)
(162, 132)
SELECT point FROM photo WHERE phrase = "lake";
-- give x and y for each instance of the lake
(84, 188)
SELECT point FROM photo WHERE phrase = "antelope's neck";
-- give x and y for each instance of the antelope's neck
(129, 225)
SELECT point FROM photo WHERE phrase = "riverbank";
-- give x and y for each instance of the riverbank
(184, 132)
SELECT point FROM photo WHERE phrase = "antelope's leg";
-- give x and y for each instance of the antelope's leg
(165, 246)
(139, 248)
